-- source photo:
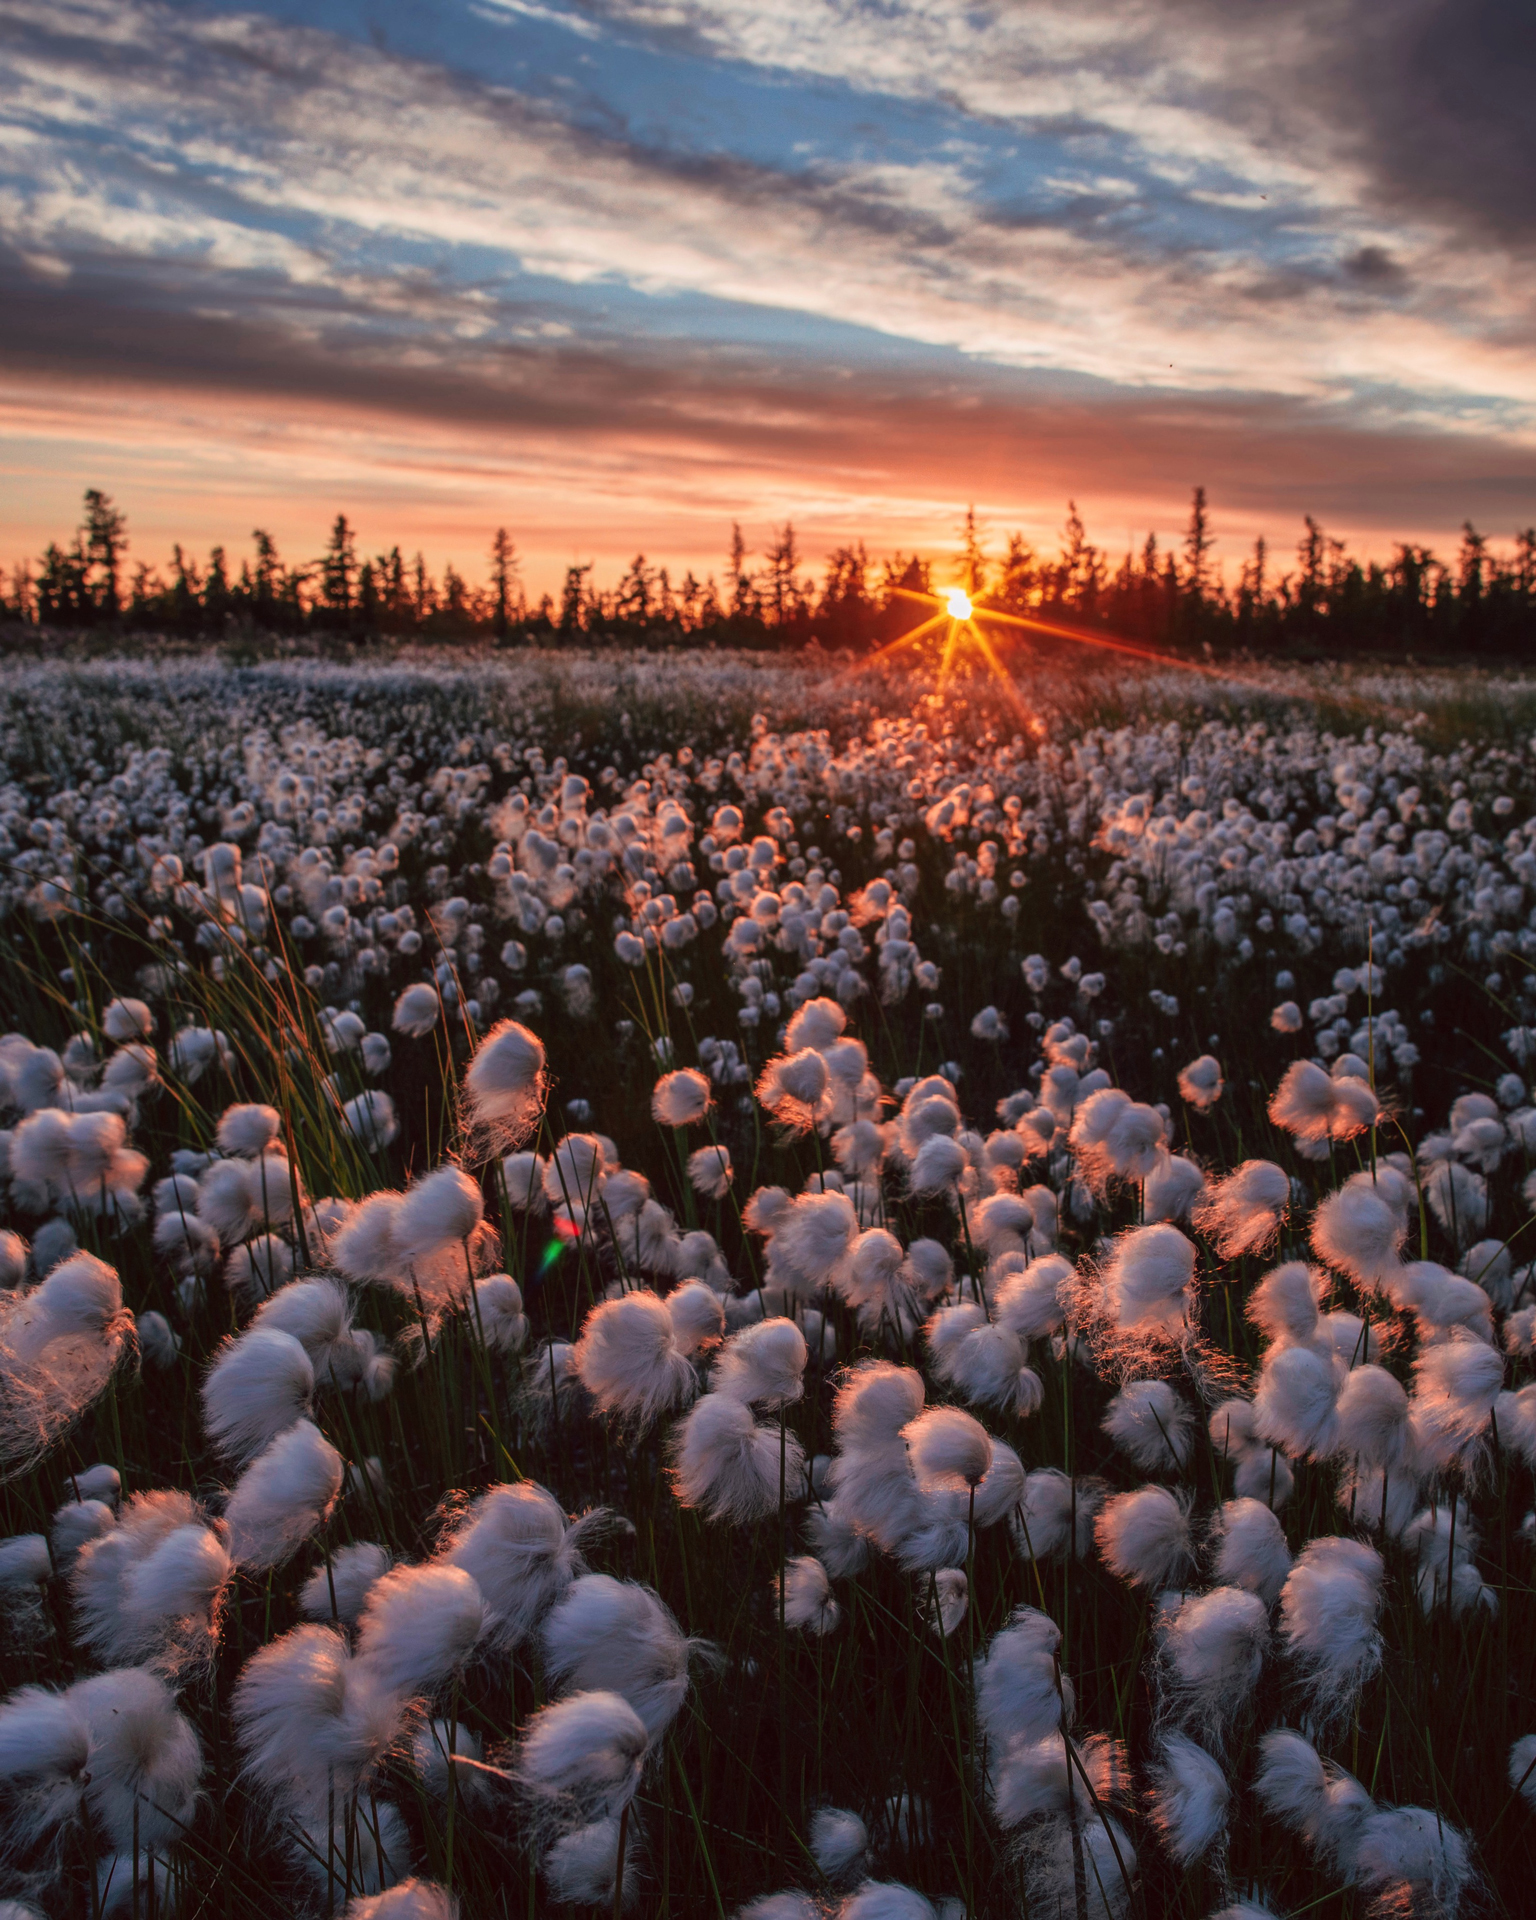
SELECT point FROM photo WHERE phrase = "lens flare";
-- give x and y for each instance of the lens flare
(959, 604)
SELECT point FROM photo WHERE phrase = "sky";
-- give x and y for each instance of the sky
(614, 274)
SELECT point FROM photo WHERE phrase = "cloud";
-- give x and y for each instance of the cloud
(1187, 275)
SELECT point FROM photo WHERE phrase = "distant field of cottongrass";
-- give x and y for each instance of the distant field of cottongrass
(713, 1286)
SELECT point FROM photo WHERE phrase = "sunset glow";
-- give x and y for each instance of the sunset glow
(454, 268)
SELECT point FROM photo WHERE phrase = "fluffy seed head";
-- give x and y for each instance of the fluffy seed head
(629, 1360)
(808, 1600)
(1328, 1610)
(1190, 1800)
(340, 1590)
(435, 1212)
(615, 1635)
(588, 1750)
(763, 1365)
(1213, 1650)
(283, 1496)
(1360, 1232)
(948, 1448)
(1296, 1405)
(680, 1099)
(419, 1626)
(1150, 1423)
(258, 1387)
(505, 1086)
(1251, 1550)
(1144, 1537)
(727, 1465)
(1243, 1213)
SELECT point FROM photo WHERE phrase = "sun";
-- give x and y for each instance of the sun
(958, 601)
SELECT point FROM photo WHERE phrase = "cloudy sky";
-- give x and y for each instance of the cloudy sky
(617, 272)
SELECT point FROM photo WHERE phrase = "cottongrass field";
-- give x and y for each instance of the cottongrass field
(716, 1286)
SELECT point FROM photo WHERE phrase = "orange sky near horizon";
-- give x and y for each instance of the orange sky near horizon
(205, 469)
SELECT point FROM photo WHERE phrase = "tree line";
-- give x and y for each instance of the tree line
(1173, 599)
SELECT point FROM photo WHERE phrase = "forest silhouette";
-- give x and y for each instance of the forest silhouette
(1170, 600)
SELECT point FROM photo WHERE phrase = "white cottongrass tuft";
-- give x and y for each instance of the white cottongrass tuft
(1021, 1695)
(236, 1198)
(1328, 1610)
(364, 1247)
(1152, 1425)
(45, 1746)
(145, 1759)
(583, 1755)
(246, 1131)
(419, 1626)
(808, 1600)
(409, 1900)
(1086, 1868)
(1144, 1537)
(59, 1346)
(1315, 1107)
(1359, 1231)
(496, 1313)
(1456, 1384)
(1315, 1798)
(504, 1088)
(305, 1709)
(1251, 1550)
(24, 1562)
(581, 1867)
(436, 1212)
(1286, 1303)
(259, 1385)
(839, 1843)
(1116, 1138)
(123, 1020)
(763, 1365)
(1201, 1082)
(523, 1554)
(148, 1590)
(370, 1117)
(680, 1099)
(1029, 1302)
(798, 1090)
(1051, 1506)
(338, 1588)
(1244, 1212)
(1458, 1198)
(284, 1495)
(629, 1360)
(417, 1010)
(948, 1449)
(983, 1360)
(76, 1523)
(1190, 1800)
(616, 1635)
(1374, 1419)
(1172, 1190)
(1213, 1651)
(1522, 1767)
(886, 1900)
(812, 1239)
(1296, 1404)
(729, 1466)
(1411, 1859)
(697, 1314)
(945, 1600)
(710, 1172)
(1146, 1289)
(318, 1315)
